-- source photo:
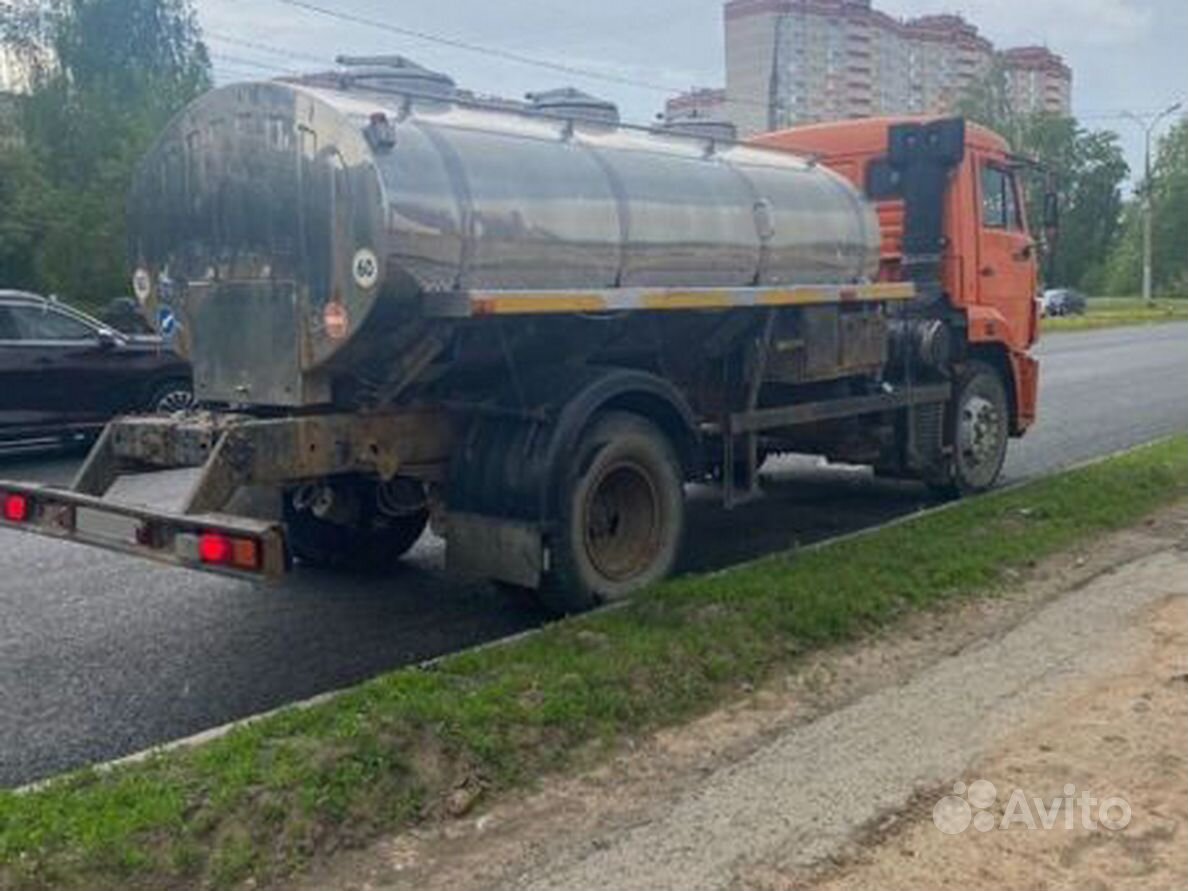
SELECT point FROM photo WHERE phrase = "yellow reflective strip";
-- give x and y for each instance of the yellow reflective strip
(798, 297)
(542, 304)
(888, 291)
(687, 300)
(560, 302)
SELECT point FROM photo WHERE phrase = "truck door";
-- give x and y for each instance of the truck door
(1006, 253)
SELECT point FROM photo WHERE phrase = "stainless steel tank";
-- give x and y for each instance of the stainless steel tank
(274, 224)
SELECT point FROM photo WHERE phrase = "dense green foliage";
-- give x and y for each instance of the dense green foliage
(1087, 168)
(106, 77)
(1170, 234)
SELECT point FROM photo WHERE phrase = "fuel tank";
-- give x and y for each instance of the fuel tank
(276, 225)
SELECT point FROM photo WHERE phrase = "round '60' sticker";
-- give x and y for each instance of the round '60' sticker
(365, 269)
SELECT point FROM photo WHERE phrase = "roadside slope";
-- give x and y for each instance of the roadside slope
(841, 760)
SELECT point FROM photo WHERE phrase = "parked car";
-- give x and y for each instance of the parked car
(64, 375)
(1064, 302)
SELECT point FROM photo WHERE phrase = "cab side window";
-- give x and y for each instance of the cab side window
(1000, 206)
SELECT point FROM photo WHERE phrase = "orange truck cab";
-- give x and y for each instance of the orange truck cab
(973, 198)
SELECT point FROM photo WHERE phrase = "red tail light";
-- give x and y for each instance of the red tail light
(215, 548)
(16, 507)
(224, 550)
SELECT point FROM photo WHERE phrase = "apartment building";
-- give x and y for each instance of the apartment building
(1038, 80)
(795, 61)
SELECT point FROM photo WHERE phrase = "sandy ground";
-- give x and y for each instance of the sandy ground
(1123, 736)
(828, 778)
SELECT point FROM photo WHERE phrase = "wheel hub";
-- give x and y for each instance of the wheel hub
(622, 528)
(175, 401)
(980, 431)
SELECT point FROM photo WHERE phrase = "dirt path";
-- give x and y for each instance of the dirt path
(829, 778)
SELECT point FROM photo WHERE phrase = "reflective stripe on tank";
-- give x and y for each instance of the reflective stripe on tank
(502, 303)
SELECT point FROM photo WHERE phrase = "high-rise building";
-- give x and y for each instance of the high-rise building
(1038, 80)
(795, 61)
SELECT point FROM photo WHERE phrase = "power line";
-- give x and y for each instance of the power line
(253, 63)
(269, 48)
(493, 52)
(1117, 114)
(481, 49)
(506, 55)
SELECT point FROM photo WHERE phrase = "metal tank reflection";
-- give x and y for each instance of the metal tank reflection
(265, 204)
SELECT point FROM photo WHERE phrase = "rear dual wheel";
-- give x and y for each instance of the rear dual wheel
(621, 515)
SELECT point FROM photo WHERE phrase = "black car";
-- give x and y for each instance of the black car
(64, 375)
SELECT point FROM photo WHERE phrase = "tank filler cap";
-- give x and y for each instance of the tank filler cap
(705, 127)
(396, 74)
(569, 102)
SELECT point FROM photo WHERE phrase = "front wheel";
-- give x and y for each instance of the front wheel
(978, 430)
(622, 515)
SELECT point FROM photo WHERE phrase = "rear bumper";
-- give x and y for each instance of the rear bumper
(235, 453)
(153, 535)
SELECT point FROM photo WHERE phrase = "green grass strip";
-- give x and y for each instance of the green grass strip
(1113, 312)
(267, 799)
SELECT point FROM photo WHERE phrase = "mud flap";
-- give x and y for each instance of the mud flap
(479, 547)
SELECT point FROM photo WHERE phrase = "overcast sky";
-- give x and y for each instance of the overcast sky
(1125, 54)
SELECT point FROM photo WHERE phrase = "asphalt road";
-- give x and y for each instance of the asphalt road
(102, 655)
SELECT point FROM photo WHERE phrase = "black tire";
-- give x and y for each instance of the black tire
(621, 515)
(978, 430)
(170, 397)
(377, 542)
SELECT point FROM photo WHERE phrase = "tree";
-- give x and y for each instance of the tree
(1088, 168)
(1170, 238)
(988, 102)
(107, 76)
(1170, 233)
(24, 217)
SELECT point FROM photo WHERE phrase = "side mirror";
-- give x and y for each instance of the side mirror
(108, 339)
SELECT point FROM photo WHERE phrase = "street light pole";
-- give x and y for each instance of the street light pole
(1149, 198)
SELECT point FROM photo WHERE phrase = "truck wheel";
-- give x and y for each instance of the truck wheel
(375, 541)
(979, 430)
(621, 518)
